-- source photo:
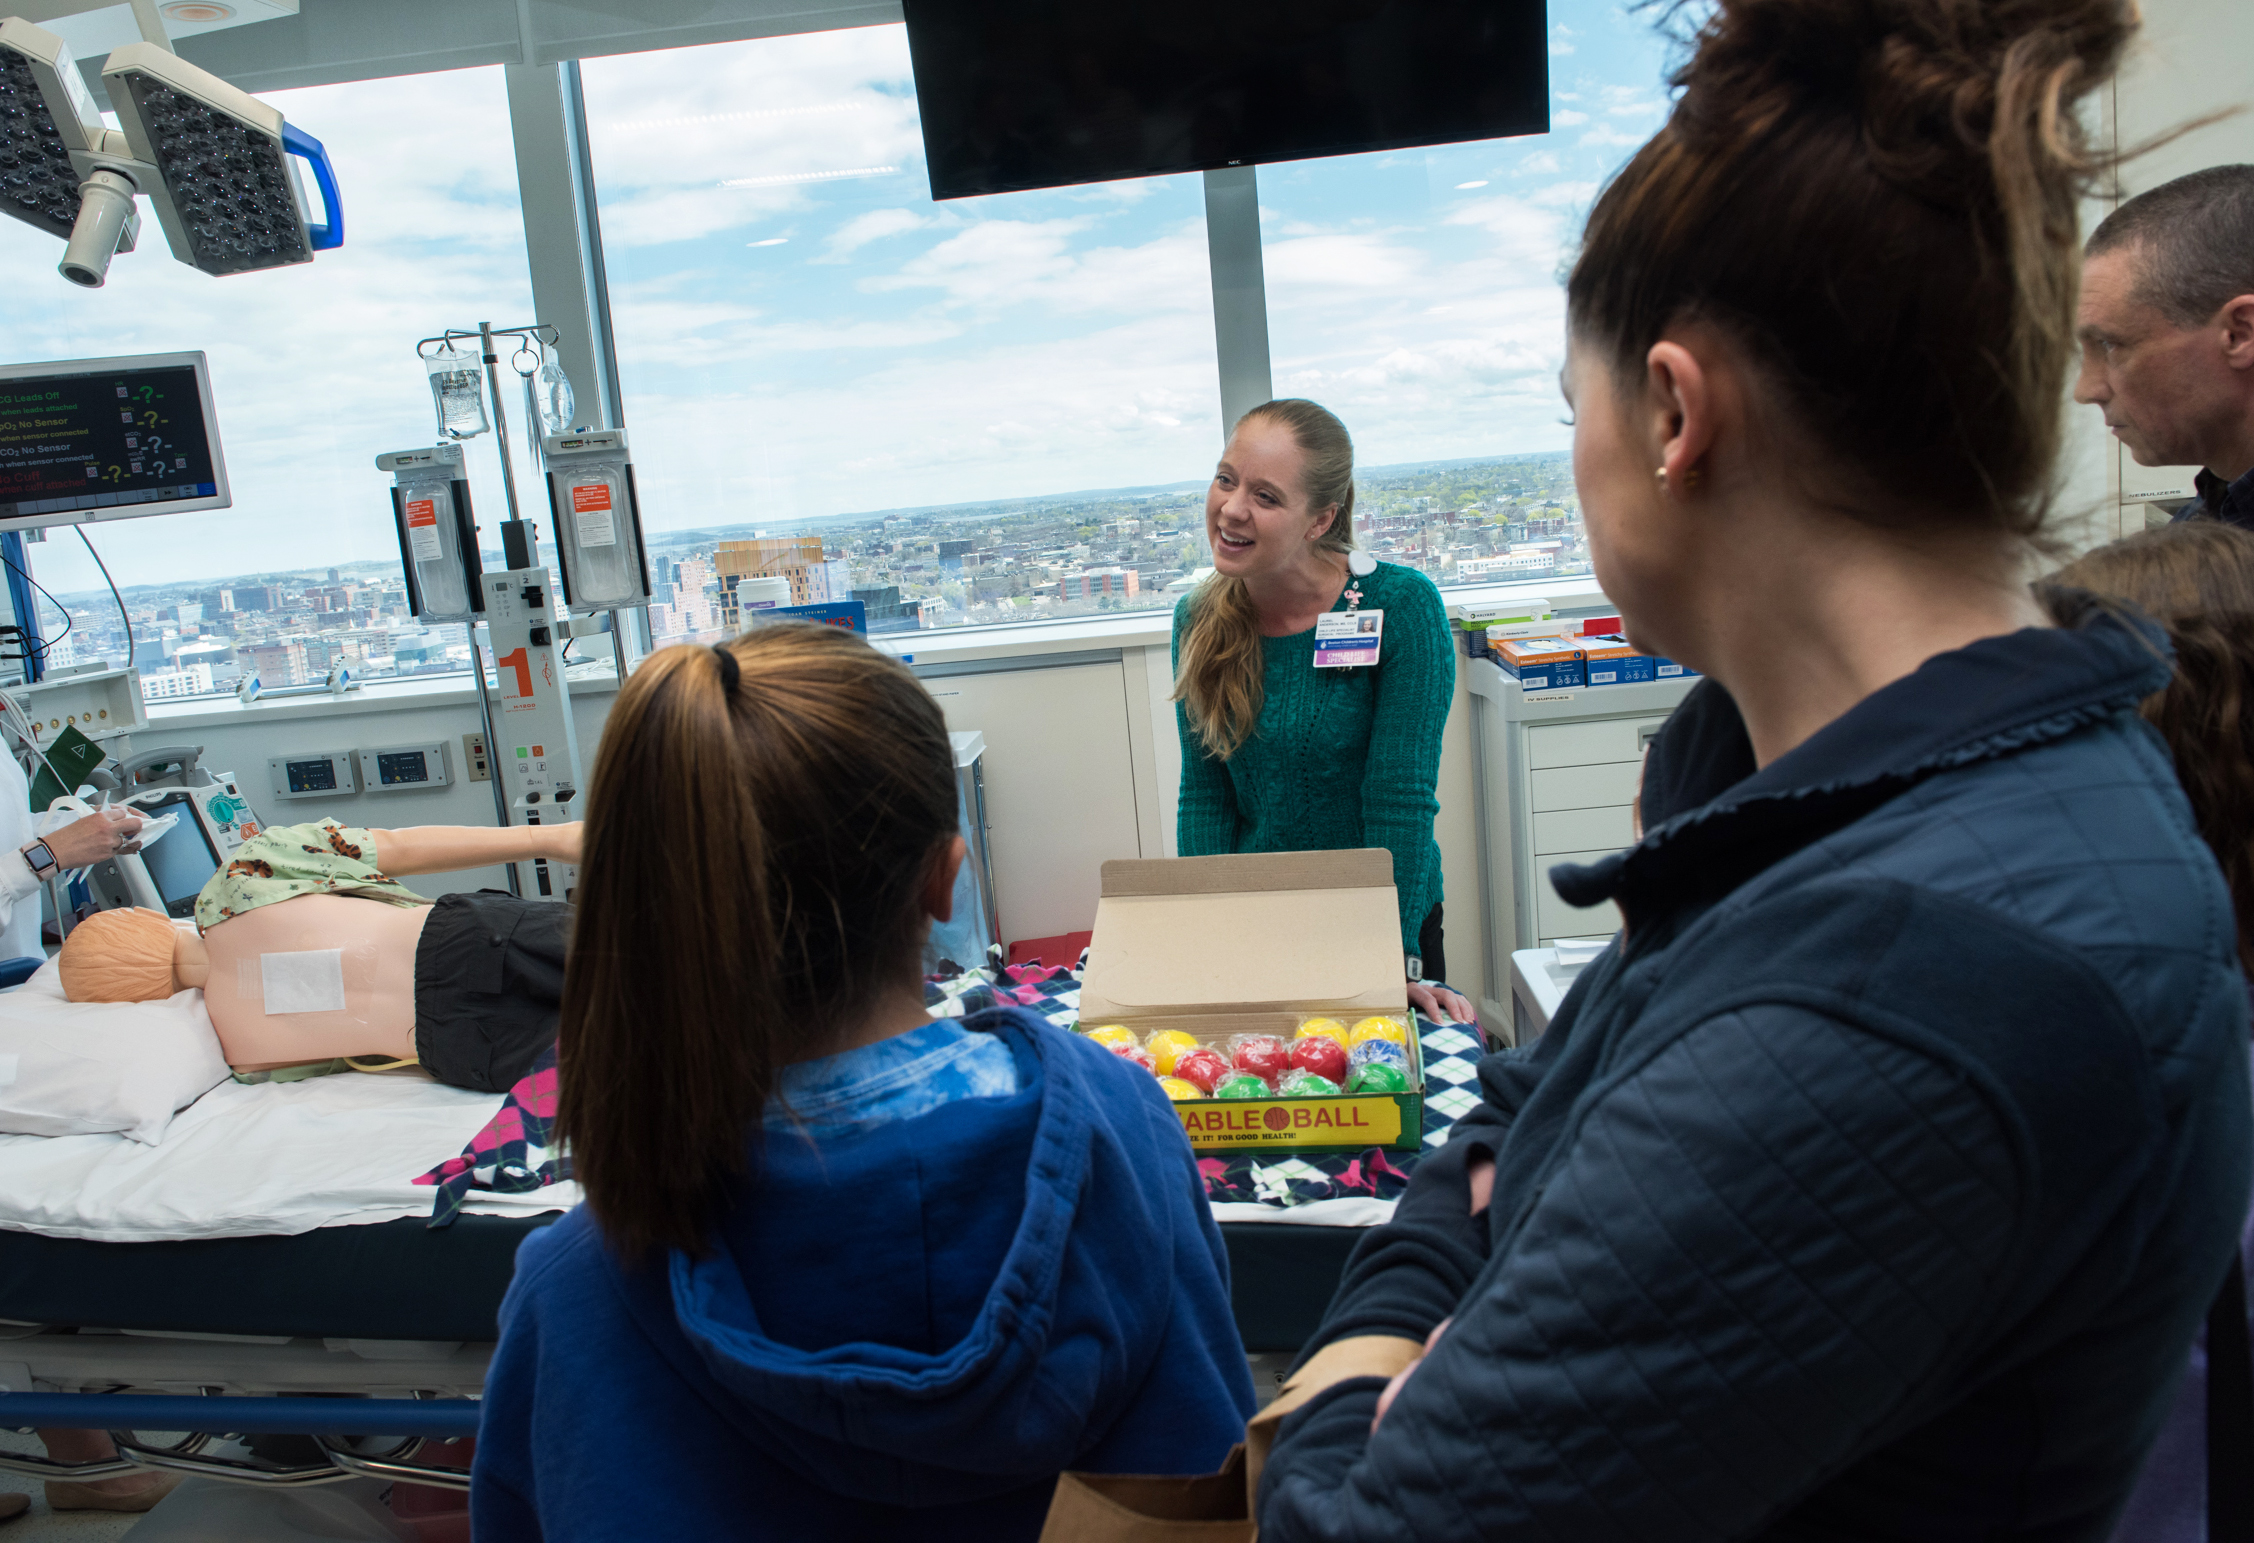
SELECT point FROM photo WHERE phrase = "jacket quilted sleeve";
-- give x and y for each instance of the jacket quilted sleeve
(1753, 1250)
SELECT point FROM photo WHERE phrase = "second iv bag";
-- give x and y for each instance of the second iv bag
(551, 393)
(457, 385)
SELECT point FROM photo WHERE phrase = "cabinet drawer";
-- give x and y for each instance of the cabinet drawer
(1583, 744)
(1584, 787)
(1553, 918)
(1583, 830)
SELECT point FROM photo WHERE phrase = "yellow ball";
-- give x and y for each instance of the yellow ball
(1327, 1028)
(1167, 1047)
(1178, 1090)
(1114, 1037)
(1379, 1028)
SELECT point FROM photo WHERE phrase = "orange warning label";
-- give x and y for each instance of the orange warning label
(421, 511)
(589, 496)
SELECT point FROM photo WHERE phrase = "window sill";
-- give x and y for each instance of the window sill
(379, 696)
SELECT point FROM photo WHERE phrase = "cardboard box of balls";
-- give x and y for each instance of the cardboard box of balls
(1218, 954)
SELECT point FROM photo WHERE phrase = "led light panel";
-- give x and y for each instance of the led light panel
(233, 200)
(37, 183)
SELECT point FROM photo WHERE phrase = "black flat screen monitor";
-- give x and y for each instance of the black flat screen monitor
(182, 861)
(108, 439)
(1020, 94)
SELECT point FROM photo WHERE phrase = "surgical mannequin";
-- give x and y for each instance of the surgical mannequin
(139, 955)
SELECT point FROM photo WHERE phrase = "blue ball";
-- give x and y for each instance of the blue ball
(1381, 1052)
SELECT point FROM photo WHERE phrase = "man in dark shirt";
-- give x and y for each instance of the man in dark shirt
(2167, 328)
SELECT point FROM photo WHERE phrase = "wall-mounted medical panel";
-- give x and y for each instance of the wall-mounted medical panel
(405, 768)
(314, 774)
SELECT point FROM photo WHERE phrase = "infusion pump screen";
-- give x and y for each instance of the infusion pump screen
(78, 442)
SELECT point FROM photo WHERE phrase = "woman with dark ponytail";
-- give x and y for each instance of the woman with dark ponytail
(843, 1270)
(1873, 1182)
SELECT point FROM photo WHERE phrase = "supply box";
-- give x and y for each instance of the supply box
(1540, 664)
(1218, 948)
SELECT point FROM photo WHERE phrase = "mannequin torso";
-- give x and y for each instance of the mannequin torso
(378, 1018)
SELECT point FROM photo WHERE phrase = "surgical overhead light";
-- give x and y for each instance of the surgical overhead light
(228, 197)
(217, 163)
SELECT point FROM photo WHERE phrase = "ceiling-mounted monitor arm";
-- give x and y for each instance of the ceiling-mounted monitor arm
(151, 23)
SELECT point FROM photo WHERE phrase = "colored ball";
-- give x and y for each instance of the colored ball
(1168, 1046)
(1263, 1055)
(1241, 1085)
(1115, 1037)
(1304, 1084)
(1380, 1052)
(1141, 1058)
(1379, 1028)
(1378, 1077)
(1201, 1067)
(1179, 1090)
(1320, 1054)
(1326, 1028)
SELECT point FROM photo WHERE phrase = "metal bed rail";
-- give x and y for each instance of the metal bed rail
(329, 1421)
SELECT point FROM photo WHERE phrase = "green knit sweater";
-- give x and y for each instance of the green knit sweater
(1340, 758)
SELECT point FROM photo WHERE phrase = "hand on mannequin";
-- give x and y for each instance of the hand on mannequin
(83, 843)
(1440, 1004)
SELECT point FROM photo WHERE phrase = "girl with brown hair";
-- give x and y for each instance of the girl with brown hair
(1873, 1182)
(2196, 578)
(843, 1269)
(1281, 753)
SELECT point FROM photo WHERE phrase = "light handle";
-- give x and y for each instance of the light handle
(303, 145)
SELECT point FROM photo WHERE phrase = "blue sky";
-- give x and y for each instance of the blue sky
(803, 332)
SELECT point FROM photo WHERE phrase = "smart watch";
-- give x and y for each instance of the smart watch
(1415, 968)
(41, 857)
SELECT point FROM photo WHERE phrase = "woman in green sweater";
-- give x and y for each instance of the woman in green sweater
(1280, 751)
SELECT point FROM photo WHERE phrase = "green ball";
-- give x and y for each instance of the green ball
(1378, 1077)
(1241, 1085)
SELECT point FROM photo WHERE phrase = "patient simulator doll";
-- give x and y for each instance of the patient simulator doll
(308, 949)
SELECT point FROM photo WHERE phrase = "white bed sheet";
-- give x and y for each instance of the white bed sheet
(276, 1158)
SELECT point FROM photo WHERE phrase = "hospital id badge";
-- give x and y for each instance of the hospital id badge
(1344, 639)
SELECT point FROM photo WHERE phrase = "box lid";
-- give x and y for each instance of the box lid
(1254, 932)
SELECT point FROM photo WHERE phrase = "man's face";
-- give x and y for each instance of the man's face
(2165, 390)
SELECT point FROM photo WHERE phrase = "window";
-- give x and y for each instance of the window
(1418, 295)
(995, 409)
(315, 374)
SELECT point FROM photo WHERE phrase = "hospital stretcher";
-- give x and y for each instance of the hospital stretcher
(269, 1269)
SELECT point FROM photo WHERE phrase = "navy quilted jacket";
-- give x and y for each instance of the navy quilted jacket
(1871, 1186)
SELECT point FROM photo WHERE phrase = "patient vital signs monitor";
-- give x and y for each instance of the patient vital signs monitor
(108, 439)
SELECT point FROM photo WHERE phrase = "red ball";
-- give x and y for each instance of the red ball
(1320, 1054)
(1201, 1069)
(1141, 1058)
(1263, 1055)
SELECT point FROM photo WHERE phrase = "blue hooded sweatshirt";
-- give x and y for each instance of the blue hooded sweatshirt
(907, 1333)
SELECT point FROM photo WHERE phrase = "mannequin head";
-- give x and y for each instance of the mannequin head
(120, 956)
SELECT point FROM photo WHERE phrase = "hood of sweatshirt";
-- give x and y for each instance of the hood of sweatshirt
(951, 1306)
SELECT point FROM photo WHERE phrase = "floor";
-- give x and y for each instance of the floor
(42, 1524)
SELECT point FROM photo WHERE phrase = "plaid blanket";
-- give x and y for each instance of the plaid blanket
(517, 1152)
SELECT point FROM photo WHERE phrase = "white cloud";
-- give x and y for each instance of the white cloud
(1539, 164)
(875, 225)
(1340, 260)
(1566, 195)
(1604, 134)
(1567, 119)
(1561, 37)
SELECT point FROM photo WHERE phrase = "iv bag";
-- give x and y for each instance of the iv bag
(594, 516)
(457, 385)
(552, 394)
